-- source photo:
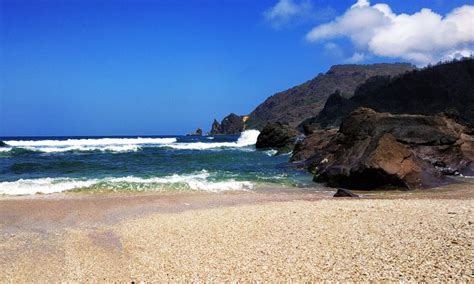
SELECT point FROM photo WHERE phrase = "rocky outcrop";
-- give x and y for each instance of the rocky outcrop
(215, 128)
(231, 124)
(198, 132)
(306, 100)
(374, 150)
(447, 88)
(276, 135)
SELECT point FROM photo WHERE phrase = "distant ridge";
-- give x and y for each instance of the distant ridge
(447, 87)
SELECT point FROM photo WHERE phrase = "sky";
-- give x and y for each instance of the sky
(98, 67)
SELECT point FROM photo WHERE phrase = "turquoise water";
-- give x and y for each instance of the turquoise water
(56, 164)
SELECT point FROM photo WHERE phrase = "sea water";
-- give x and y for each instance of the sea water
(31, 165)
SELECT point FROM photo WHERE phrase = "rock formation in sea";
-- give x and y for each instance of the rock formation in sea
(198, 132)
(307, 100)
(215, 128)
(374, 150)
(447, 88)
(279, 136)
(231, 124)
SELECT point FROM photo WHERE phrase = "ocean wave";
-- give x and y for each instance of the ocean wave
(119, 145)
(89, 142)
(247, 138)
(85, 145)
(110, 148)
(202, 180)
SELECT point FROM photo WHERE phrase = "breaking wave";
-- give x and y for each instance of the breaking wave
(246, 139)
(118, 145)
(89, 142)
(85, 145)
(202, 180)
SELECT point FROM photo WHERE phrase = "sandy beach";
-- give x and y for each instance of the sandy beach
(237, 236)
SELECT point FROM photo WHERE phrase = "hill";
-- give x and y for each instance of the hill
(447, 88)
(307, 100)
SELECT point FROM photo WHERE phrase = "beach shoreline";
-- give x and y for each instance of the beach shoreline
(234, 236)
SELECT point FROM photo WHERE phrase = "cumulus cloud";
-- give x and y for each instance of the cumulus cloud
(287, 11)
(422, 37)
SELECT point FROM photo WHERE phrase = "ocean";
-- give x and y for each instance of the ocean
(32, 165)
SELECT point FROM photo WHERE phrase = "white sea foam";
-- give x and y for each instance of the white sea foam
(102, 144)
(42, 185)
(110, 148)
(271, 152)
(197, 181)
(463, 176)
(89, 142)
(247, 138)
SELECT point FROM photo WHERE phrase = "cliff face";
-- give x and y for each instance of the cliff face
(445, 88)
(231, 124)
(307, 100)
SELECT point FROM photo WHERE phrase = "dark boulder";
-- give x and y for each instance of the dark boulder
(278, 136)
(375, 150)
(342, 192)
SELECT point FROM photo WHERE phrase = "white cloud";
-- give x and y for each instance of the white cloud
(286, 11)
(422, 37)
(356, 57)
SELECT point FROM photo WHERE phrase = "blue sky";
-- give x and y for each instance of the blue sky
(166, 67)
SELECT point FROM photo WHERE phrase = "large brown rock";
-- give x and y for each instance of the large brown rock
(374, 150)
(312, 144)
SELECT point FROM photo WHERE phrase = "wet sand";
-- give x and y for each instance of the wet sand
(238, 236)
